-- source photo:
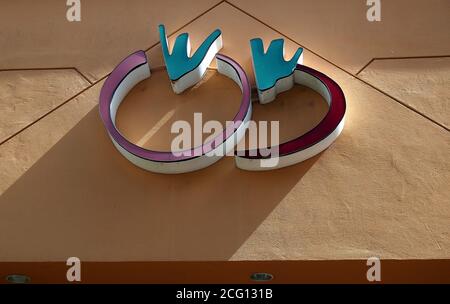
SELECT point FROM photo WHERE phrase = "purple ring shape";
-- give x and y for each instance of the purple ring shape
(310, 143)
(134, 69)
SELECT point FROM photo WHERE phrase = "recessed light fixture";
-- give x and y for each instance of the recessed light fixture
(18, 279)
(261, 277)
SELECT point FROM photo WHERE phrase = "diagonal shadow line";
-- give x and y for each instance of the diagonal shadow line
(93, 194)
(92, 83)
(340, 68)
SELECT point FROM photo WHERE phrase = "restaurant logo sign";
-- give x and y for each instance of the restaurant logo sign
(273, 75)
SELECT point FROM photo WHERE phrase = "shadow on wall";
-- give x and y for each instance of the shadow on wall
(84, 199)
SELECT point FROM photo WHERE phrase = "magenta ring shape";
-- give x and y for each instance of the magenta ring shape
(327, 125)
(138, 59)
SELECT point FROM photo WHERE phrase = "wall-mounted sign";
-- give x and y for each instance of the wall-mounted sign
(273, 75)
